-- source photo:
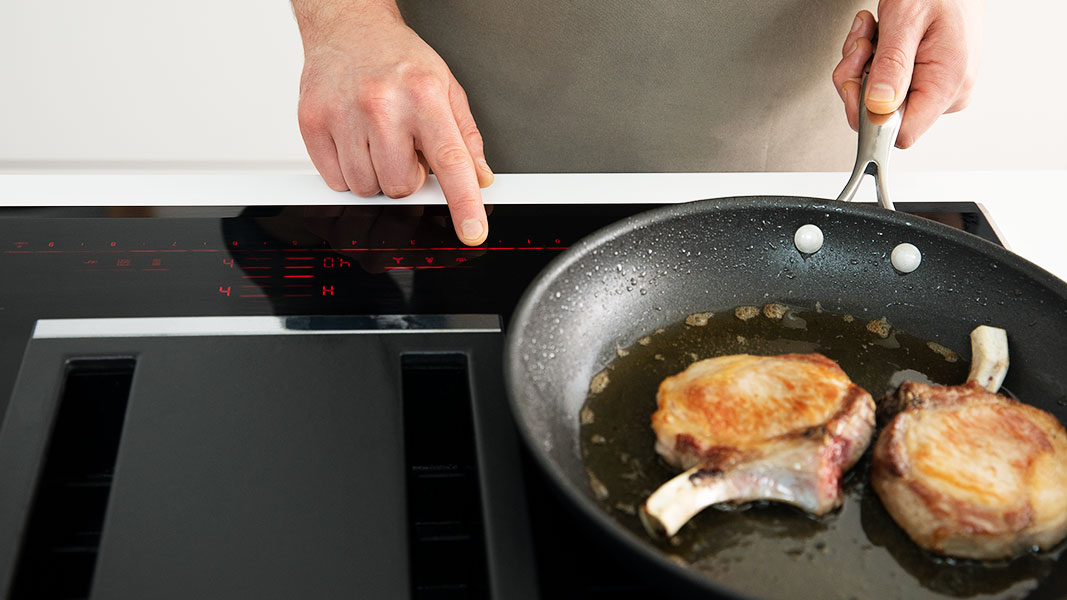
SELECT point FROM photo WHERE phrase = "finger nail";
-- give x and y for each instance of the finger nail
(881, 92)
(855, 44)
(857, 23)
(472, 229)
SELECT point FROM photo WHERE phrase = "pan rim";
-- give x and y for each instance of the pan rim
(537, 289)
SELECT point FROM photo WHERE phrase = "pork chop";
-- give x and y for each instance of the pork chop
(972, 474)
(747, 428)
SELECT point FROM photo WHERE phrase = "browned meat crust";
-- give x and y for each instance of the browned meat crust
(763, 427)
(731, 403)
(972, 474)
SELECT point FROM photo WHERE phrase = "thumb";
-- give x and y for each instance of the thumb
(461, 110)
(894, 60)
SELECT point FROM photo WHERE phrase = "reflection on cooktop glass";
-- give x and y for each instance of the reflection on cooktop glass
(356, 259)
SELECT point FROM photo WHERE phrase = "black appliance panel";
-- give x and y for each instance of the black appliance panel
(268, 466)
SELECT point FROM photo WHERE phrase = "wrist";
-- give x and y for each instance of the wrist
(321, 21)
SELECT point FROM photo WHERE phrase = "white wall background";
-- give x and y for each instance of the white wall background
(147, 83)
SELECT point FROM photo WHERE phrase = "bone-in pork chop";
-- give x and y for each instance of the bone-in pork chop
(780, 428)
(969, 473)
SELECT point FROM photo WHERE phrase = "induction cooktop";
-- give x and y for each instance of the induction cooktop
(282, 402)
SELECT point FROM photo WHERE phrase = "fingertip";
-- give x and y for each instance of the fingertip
(863, 27)
(323, 154)
(473, 231)
(882, 98)
(397, 192)
(365, 192)
(911, 129)
(857, 22)
(881, 108)
(470, 222)
(905, 140)
(852, 64)
(485, 174)
(422, 171)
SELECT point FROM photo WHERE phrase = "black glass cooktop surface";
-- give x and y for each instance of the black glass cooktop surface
(367, 260)
(301, 260)
(362, 260)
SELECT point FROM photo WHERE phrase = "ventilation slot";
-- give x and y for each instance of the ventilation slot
(447, 543)
(67, 517)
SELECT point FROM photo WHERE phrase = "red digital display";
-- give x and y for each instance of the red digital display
(248, 269)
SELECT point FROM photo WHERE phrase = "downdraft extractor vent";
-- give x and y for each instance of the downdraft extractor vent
(446, 535)
(60, 544)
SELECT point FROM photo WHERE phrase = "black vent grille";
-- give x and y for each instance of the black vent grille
(446, 533)
(60, 545)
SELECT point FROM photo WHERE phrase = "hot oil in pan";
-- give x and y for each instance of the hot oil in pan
(772, 550)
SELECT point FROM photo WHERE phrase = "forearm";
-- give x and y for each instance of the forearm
(318, 19)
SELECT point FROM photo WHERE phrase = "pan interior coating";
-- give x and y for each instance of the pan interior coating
(737, 547)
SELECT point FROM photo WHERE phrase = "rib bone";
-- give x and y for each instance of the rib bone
(736, 455)
(797, 470)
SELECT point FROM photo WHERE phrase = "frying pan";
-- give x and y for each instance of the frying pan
(721, 253)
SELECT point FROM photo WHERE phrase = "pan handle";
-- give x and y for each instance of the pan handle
(877, 135)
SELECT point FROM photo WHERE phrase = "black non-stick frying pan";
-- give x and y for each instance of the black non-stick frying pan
(718, 254)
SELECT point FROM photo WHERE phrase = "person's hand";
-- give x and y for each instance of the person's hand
(927, 51)
(378, 107)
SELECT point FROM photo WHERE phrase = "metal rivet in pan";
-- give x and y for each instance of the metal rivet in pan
(906, 258)
(808, 238)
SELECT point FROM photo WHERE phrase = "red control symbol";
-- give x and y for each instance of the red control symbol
(224, 290)
(330, 262)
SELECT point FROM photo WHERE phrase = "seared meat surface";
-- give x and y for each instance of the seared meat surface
(973, 474)
(747, 428)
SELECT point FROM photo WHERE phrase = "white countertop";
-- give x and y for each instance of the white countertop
(1028, 208)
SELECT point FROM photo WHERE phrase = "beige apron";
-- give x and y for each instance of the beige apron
(673, 85)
